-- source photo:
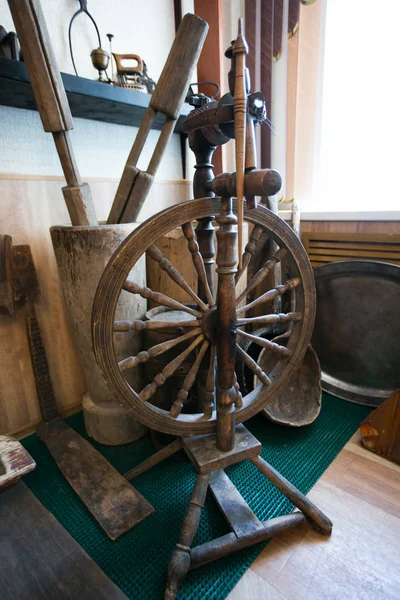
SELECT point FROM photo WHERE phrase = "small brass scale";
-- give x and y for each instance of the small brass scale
(215, 437)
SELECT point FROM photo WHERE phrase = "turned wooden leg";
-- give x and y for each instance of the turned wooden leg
(319, 521)
(226, 326)
(179, 563)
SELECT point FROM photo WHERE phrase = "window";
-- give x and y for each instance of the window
(358, 166)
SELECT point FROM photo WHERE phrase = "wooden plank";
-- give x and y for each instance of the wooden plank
(254, 587)
(6, 274)
(113, 502)
(334, 233)
(266, 18)
(350, 245)
(359, 561)
(209, 66)
(14, 461)
(380, 431)
(236, 511)
(204, 454)
(25, 281)
(87, 99)
(370, 254)
(40, 560)
(323, 259)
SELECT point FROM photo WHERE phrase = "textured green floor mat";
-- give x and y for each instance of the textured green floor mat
(138, 560)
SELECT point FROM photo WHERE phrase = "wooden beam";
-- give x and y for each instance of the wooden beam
(209, 67)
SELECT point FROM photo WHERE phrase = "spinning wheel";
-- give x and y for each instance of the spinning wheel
(201, 332)
(215, 323)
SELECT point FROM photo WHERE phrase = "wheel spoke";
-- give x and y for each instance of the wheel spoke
(292, 308)
(197, 259)
(188, 382)
(270, 319)
(168, 370)
(210, 385)
(265, 343)
(253, 366)
(120, 326)
(155, 253)
(142, 357)
(145, 292)
(249, 251)
(271, 294)
(262, 273)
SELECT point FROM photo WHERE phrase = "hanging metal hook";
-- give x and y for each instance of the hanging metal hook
(83, 9)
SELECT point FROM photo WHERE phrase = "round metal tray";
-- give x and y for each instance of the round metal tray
(357, 329)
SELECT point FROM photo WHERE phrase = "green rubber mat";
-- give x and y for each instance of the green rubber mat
(137, 561)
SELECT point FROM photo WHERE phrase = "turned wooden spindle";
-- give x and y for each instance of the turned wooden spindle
(270, 319)
(226, 338)
(132, 361)
(249, 251)
(239, 397)
(155, 253)
(168, 370)
(190, 235)
(203, 151)
(240, 49)
(188, 382)
(145, 292)
(251, 157)
(120, 326)
(253, 366)
(209, 395)
(265, 343)
(271, 294)
(262, 273)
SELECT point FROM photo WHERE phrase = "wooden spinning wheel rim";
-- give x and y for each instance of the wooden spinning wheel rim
(115, 275)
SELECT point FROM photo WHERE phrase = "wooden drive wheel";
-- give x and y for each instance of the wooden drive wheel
(201, 333)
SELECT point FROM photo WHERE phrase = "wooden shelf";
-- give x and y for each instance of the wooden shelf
(88, 99)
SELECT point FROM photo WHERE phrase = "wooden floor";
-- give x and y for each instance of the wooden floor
(360, 492)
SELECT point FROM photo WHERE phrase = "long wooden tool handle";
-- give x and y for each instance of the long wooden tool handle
(175, 78)
(167, 98)
(52, 102)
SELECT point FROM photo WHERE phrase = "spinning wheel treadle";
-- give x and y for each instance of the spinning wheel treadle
(200, 333)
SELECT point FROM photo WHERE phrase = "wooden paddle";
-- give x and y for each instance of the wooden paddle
(112, 501)
(167, 98)
(52, 103)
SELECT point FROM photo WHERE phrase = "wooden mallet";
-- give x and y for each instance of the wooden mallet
(167, 98)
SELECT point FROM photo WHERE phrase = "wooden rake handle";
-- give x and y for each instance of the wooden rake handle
(167, 98)
(52, 102)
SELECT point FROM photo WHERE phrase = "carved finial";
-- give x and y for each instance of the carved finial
(240, 45)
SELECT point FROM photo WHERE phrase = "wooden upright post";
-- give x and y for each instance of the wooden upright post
(209, 67)
(226, 340)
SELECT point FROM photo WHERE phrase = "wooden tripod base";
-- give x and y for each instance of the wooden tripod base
(246, 527)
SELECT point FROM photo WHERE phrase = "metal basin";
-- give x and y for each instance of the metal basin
(357, 329)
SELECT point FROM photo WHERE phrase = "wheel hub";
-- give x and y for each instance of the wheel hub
(209, 325)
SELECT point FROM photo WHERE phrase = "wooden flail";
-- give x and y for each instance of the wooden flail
(167, 99)
(214, 437)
